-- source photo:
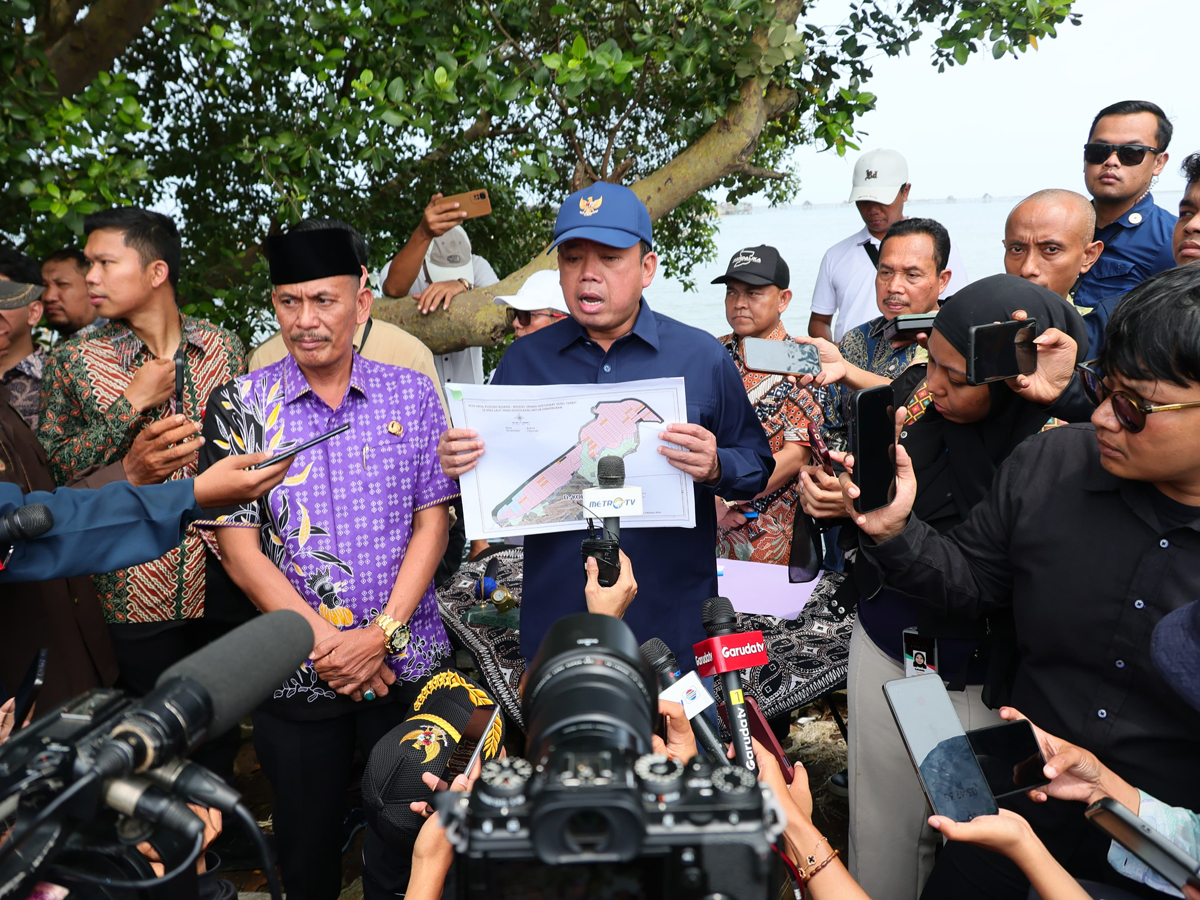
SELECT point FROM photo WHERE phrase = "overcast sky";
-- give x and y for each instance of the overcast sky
(1012, 126)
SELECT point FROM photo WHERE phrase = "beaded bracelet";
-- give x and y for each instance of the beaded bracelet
(807, 875)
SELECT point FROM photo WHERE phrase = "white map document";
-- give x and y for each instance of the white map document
(542, 443)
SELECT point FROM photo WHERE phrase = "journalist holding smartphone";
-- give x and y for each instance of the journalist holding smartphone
(1088, 535)
(956, 436)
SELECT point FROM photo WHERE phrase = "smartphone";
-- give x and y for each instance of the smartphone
(1001, 350)
(179, 362)
(1144, 842)
(317, 440)
(1010, 757)
(470, 748)
(781, 357)
(906, 328)
(31, 686)
(872, 428)
(819, 451)
(938, 748)
(473, 203)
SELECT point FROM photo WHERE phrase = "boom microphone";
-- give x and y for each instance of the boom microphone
(719, 619)
(34, 520)
(207, 693)
(663, 661)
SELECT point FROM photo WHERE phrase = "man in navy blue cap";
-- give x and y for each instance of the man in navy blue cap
(605, 260)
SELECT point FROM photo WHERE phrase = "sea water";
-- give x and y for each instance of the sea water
(802, 235)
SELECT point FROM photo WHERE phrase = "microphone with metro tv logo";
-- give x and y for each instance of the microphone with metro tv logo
(725, 652)
(606, 550)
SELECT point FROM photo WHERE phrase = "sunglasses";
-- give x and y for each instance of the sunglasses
(525, 316)
(1130, 411)
(1127, 154)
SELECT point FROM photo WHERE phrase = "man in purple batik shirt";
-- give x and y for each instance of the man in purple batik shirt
(350, 540)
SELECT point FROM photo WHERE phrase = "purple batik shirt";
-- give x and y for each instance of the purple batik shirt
(340, 523)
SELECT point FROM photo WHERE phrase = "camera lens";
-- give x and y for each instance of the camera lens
(587, 831)
(589, 687)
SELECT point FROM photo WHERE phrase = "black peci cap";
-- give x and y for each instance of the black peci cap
(757, 265)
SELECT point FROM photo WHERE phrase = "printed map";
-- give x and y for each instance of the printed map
(542, 444)
(552, 493)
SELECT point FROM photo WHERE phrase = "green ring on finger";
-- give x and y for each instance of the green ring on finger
(368, 694)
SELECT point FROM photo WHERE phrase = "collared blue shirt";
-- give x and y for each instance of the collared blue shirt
(675, 568)
(1136, 246)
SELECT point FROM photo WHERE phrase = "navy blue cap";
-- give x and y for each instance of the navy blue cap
(609, 214)
(1175, 649)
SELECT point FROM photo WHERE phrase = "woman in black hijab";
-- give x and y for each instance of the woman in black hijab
(957, 435)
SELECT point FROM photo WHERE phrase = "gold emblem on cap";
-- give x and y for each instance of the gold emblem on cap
(395, 428)
(1135, 218)
(3, 467)
(589, 206)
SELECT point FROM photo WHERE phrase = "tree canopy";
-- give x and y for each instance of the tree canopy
(241, 116)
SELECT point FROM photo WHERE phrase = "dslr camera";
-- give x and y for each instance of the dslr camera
(592, 812)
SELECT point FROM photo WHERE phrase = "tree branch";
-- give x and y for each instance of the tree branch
(89, 47)
(754, 171)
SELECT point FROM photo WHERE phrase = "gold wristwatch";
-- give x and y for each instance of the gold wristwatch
(398, 634)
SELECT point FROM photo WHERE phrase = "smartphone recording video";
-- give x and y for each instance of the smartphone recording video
(872, 429)
(1000, 351)
(781, 357)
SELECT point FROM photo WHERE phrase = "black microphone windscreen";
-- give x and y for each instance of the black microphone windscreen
(243, 668)
(610, 472)
(659, 655)
(28, 522)
(717, 611)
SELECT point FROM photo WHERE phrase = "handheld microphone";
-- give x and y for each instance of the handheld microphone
(719, 619)
(206, 693)
(610, 473)
(606, 550)
(663, 661)
(30, 521)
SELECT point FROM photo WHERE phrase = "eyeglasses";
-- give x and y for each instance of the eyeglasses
(525, 316)
(1130, 411)
(1127, 154)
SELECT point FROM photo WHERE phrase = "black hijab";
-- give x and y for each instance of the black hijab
(965, 458)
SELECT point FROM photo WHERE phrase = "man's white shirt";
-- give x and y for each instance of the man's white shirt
(846, 282)
(462, 366)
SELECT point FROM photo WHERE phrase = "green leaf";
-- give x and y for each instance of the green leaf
(998, 49)
(367, 76)
(392, 117)
(395, 90)
(216, 31)
(579, 49)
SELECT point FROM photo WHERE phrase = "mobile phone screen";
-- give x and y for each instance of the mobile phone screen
(1002, 350)
(472, 744)
(872, 440)
(939, 749)
(781, 357)
(317, 440)
(1009, 756)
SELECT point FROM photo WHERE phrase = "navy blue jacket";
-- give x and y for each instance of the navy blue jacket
(675, 568)
(112, 528)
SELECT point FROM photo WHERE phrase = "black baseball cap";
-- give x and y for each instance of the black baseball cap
(756, 265)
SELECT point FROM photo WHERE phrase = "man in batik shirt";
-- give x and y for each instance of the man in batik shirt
(756, 294)
(350, 540)
(100, 391)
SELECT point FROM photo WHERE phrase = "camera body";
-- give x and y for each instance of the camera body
(594, 826)
(593, 812)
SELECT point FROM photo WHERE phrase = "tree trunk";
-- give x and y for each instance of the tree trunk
(474, 320)
(89, 47)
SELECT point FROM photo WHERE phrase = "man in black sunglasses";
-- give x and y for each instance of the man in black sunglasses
(1091, 535)
(1126, 150)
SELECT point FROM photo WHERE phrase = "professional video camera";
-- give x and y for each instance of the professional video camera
(91, 779)
(593, 812)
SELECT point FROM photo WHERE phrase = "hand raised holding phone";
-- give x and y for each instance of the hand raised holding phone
(888, 521)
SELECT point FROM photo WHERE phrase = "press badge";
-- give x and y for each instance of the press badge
(920, 654)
